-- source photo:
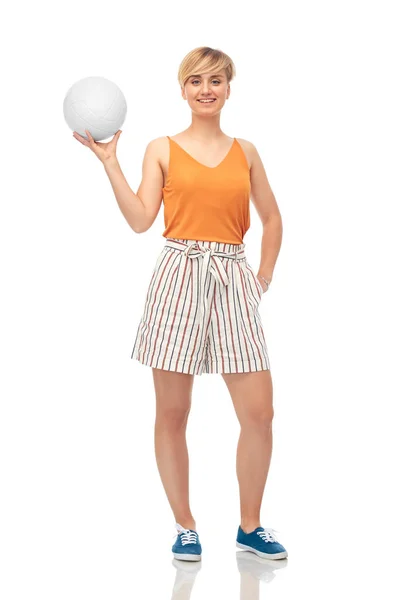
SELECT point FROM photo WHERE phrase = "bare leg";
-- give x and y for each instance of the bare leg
(173, 403)
(251, 394)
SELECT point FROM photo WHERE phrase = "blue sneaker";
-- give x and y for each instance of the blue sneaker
(262, 542)
(187, 546)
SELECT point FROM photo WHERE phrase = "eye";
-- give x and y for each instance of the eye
(194, 80)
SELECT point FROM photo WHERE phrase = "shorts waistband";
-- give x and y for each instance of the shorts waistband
(198, 247)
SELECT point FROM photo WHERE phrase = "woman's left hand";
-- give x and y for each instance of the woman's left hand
(263, 284)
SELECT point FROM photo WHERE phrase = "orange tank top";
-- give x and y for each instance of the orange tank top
(205, 203)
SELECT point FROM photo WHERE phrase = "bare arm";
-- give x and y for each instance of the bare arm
(130, 205)
(267, 208)
(141, 209)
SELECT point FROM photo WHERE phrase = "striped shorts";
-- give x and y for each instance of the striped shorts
(201, 311)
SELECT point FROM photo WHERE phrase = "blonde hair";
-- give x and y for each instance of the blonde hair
(203, 59)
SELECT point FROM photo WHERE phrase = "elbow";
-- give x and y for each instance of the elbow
(142, 221)
(274, 220)
(140, 228)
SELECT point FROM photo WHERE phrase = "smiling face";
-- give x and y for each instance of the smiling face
(206, 86)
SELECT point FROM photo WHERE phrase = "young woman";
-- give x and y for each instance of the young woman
(201, 311)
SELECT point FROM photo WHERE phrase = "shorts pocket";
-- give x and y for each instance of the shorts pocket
(258, 284)
(261, 289)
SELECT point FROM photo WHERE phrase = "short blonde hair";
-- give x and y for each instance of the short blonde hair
(203, 59)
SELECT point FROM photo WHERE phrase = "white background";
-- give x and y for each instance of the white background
(327, 93)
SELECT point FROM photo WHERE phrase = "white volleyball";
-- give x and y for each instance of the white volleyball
(96, 104)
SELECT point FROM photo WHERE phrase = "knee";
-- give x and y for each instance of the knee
(171, 418)
(261, 418)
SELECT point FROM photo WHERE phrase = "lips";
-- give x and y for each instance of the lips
(209, 100)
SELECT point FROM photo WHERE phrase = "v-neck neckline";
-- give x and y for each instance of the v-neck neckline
(197, 161)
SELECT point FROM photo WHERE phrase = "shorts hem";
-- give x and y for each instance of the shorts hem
(208, 368)
(241, 367)
(187, 369)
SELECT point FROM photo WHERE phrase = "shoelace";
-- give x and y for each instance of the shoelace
(268, 534)
(186, 535)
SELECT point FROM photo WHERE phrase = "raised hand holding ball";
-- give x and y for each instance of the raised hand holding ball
(104, 151)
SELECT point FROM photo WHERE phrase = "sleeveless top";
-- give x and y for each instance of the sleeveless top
(207, 203)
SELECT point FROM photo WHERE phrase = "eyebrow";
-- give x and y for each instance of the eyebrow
(218, 75)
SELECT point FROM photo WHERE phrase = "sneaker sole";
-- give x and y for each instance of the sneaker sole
(186, 556)
(277, 555)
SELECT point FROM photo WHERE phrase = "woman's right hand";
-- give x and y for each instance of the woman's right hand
(104, 152)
